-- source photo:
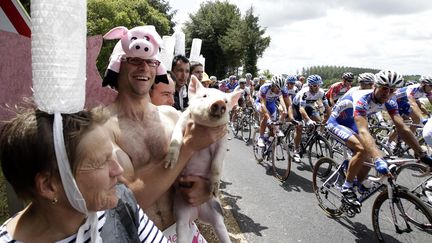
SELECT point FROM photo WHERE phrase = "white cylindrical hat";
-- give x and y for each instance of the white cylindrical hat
(195, 50)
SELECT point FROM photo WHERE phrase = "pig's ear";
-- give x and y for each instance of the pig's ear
(234, 97)
(194, 86)
(116, 33)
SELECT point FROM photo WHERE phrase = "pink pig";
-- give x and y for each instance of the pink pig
(209, 107)
(141, 41)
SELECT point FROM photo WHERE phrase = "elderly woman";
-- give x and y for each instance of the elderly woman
(29, 163)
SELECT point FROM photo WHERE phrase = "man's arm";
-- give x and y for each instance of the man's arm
(158, 179)
(288, 107)
(417, 112)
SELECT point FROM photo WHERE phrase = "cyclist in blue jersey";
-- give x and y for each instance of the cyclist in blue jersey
(304, 108)
(408, 100)
(348, 123)
(265, 103)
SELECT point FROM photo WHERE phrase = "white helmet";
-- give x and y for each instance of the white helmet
(366, 78)
(389, 78)
(278, 80)
(426, 79)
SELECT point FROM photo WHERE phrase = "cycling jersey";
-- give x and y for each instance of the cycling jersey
(232, 86)
(291, 92)
(266, 93)
(243, 97)
(356, 103)
(337, 90)
(415, 91)
(304, 97)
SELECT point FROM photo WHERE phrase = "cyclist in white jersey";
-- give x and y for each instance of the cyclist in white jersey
(304, 108)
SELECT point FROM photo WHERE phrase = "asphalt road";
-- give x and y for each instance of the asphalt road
(268, 210)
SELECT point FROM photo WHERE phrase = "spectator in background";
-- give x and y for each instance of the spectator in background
(214, 82)
(181, 69)
(206, 80)
(197, 69)
(162, 93)
(223, 86)
(232, 83)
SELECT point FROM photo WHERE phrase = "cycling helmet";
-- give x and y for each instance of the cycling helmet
(256, 80)
(410, 82)
(242, 81)
(262, 77)
(278, 81)
(389, 78)
(291, 79)
(314, 79)
(248, 76)
(348, 76)
(366, 78)
(426, 79)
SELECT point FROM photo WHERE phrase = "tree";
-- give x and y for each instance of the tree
(211, 24)
(254, 43)
(103, 15)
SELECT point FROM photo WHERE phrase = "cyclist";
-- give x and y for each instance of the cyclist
(290, 85)
(249, 82)
(408, 100)
(232, 83)
(245, 99)
(300, 81)
(348, 123)
(265, 103)
(338, 89)
(304, 108)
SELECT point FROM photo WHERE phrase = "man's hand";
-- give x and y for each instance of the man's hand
(381, 166)
(198, 137)
(195, 190)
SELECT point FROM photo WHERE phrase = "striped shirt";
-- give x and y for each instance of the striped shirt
(147, 230)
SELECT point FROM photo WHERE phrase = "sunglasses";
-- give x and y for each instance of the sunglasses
(136, 61)
(387, 89)
(315, 85)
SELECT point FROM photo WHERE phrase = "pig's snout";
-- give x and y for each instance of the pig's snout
(218, 108)
(146, 49)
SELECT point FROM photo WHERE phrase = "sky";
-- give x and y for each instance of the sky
(379, 34)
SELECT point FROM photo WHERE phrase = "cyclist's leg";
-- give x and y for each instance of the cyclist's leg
(347, 136)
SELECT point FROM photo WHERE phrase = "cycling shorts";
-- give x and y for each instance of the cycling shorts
(310, 111)
(271, 107)
(341, 132)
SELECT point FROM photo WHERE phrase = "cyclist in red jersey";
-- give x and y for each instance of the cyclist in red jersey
(338, 89)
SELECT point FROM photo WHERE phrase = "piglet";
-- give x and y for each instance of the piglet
(208, 107)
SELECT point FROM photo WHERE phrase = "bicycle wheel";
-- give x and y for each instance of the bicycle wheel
(413, 218)
(246, 129)
(410, 176)
(319, 148)
(258, 151)
(236, 126)
(327, 182)
(281, 159)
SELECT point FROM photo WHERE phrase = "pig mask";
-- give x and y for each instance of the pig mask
(141, 41)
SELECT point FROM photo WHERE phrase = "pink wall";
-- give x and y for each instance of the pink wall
(15, 73)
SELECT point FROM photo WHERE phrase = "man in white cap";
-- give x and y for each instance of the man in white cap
(145, 136)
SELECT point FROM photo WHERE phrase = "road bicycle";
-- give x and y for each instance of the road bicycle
(275, 150)
(312, 143)
(397, 214)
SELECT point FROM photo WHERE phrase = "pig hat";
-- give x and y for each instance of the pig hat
(141, 41)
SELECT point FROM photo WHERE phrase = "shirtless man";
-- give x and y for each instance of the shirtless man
(146, 133)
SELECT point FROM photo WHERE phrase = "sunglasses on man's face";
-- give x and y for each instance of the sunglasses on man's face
(136, 61)
(387, 89)
(315, 85)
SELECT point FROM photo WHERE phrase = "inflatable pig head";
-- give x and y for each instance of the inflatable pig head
(142, 41)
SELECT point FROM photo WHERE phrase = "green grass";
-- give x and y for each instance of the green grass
(3, 199)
